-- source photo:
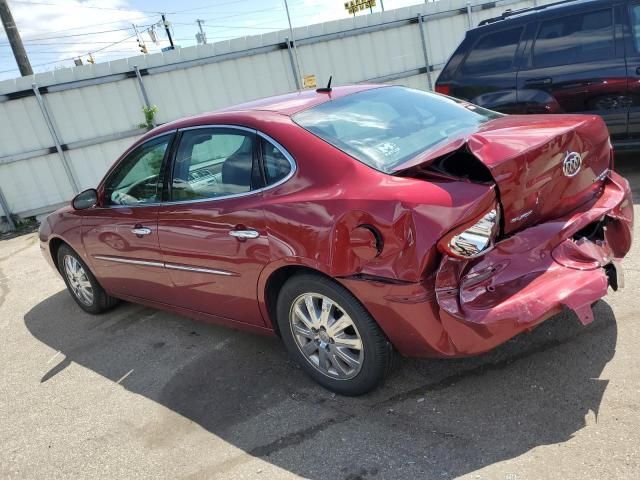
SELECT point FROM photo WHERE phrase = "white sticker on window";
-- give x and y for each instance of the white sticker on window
(387, 148)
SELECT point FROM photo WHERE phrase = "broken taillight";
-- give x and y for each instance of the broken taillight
(474, 238)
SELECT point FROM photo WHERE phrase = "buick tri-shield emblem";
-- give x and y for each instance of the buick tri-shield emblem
(572, 163)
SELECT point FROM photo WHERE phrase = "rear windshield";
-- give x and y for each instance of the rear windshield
(385, 127)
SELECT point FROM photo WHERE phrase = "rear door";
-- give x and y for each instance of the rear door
(632, 45)
(487, 75)
(575, 64)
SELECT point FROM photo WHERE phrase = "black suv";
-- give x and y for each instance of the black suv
(577, 56)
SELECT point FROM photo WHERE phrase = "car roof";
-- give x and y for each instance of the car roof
(291, 103)
(526, 13)
(287, 104)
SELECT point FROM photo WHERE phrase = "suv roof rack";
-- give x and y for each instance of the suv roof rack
(509, 13)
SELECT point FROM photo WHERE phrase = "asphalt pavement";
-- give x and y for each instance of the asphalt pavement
(140, 393)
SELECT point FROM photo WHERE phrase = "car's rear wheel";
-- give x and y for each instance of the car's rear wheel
(331, 335)
(81, 283)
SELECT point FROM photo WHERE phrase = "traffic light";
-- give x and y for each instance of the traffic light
(143, 47)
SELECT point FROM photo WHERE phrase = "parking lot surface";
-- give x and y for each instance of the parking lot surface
(139, 393)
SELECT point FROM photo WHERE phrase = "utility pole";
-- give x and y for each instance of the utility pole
(293, 40)
(203, 36)
(166, 29)
(15, 41)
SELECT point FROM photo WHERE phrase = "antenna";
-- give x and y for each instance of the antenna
(326, 89)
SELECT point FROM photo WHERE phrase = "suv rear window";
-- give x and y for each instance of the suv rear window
(575, 39)
(493, 53)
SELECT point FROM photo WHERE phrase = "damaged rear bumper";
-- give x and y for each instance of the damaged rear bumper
(470, 307)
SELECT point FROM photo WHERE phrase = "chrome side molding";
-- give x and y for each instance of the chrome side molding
(170, 266)
(146, 263)
(186, 268)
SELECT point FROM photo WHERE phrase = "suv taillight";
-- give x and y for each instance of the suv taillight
(443, 89)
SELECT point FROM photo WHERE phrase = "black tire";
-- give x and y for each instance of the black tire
(101, 301)
(377, 352)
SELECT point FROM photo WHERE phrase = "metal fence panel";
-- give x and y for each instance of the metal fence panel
(35, 183)
(95, 109)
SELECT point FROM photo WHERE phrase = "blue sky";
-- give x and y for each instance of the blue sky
(56, 31)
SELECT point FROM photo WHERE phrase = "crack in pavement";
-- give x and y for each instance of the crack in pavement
(30, 242)
(4, 287)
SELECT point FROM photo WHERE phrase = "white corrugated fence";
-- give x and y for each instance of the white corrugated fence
(95, 110)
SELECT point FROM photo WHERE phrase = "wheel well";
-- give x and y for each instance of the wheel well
(275, 283)
(54, 246)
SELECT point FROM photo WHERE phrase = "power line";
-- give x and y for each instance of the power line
(76, 56)
(114, 43)
(182, 12)
(99, 25)
(226, 26)
(273, 9)
(52, 40)
(49, 52)
(51, 44)
(80, 34)
(79, 5)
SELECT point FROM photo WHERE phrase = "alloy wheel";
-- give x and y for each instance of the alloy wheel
(78, 280)
(326, 336)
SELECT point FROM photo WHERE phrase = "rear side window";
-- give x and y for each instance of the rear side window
(635, 25)
(493, 53)
(212, 163)
(575, 39)
(276, 165)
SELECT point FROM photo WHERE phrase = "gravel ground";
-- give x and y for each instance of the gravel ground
(139, 393)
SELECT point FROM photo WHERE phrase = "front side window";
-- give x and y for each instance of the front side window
(384, 127)
(579, 38)
(136, 180)
(211, 163)
(493, 53)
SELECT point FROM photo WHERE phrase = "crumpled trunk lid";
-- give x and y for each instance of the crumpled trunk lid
(543, 165)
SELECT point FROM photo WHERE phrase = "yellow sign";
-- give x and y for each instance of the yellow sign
(310, 81)
(355, 5)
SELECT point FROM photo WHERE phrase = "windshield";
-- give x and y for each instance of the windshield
(385, 127)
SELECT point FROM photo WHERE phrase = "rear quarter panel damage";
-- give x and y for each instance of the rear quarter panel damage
(317, 216)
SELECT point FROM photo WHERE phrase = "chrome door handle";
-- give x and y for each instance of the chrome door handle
(542, 81)
(244, 234)
(141, 231)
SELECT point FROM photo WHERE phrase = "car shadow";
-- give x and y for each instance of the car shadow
(433, 418)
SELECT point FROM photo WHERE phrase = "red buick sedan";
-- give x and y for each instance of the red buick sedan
(354, 221)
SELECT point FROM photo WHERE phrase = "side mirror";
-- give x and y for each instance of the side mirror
(86, 199)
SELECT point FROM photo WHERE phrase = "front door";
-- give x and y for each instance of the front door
(575, 64)
(212, 230)
(121, 234)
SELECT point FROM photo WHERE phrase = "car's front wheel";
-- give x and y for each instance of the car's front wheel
(81, 283)
(331, 335)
